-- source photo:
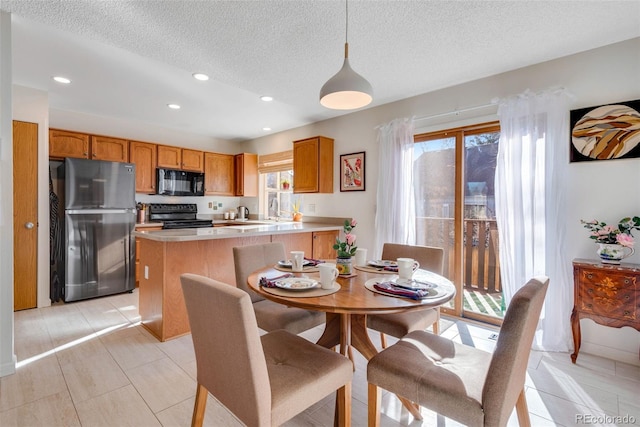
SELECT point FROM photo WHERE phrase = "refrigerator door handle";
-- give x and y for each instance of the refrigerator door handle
(98, 211)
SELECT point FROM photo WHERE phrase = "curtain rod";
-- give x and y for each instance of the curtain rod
(456, 112)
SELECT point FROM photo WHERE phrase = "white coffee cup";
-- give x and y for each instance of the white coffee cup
(361, 257)
(297, 260)
(328, 274)
(232, 215)
(406, 267)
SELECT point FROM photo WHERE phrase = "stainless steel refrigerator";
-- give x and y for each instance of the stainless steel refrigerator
(100, 215)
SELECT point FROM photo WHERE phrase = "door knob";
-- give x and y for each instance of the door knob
(29, 225)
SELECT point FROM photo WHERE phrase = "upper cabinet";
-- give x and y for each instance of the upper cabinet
(313, 165)
(192, 160)
(111, 149)
(169, 157)
(218, 174)
(143, 155)
(63, 144)
(180, 158)
(246, 171)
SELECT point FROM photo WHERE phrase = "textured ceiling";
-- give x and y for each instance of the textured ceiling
(128, 59)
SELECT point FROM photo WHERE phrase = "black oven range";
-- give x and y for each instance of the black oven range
(181, 215)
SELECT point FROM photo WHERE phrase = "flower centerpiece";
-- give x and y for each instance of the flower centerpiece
(346, 249)
(613, 240)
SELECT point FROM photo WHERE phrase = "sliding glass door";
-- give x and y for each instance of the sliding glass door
(455, 209)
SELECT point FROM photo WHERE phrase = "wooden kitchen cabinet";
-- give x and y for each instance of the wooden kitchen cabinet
(143, 154)
(608, 294)
(246, 172)
(180, 158)
(295, 242)
(110, 149)
(138, 269)
(323, 242)
(313, 165)
(218, 174)
(64, 144)
(169, 157)
(192, 160)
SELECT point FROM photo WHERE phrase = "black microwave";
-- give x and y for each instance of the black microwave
(170, 182)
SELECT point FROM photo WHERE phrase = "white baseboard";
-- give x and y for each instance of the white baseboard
(9, 368)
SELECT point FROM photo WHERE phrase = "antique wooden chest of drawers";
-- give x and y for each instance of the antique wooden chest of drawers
(605, 293)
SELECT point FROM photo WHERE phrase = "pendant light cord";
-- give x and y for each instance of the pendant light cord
(346, 30)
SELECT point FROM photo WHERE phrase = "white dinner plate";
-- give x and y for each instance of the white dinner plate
(296, 283)
(287, 263)
(383, 263)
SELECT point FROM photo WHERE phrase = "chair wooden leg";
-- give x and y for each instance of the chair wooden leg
(374, 403)
(200, 405)
(436, 325)
(343, 413)
(522, 410)
(383, 340)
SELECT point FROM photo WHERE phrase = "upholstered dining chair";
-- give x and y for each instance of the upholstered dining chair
(400, 324)
(271, 315)
(263, 380)
(471, 386)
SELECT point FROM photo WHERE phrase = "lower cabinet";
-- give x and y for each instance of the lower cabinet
(162, 307)
(143, 228)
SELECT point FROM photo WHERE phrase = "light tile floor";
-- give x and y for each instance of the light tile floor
(90, 363)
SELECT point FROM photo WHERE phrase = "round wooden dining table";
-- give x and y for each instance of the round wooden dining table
(347, 309)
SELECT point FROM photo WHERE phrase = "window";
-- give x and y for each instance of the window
(455, 209)
(278, 194)
(276, 185)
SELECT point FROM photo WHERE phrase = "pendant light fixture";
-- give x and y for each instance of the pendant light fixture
(347, 90)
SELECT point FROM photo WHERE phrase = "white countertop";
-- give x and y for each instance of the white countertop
(245, 230)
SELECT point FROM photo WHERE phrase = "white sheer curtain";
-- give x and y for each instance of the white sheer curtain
(395, 205)
(530, 189)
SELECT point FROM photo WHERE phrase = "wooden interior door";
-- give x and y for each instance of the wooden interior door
(25, 214)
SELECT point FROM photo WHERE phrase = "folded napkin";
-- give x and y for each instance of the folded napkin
(391, 268)
(271, 283)
(390, 288)
(313, 262)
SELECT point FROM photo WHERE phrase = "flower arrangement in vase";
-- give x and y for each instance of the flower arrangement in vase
(613, 240)
(346, 249)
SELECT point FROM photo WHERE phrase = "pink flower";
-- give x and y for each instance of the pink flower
(354, 223)
(350, 239)
(625, 239)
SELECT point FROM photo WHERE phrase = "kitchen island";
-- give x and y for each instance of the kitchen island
(167, 254)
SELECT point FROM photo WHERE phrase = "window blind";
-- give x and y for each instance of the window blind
(275, 162)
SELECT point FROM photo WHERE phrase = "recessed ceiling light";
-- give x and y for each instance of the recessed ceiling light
(173, 106)
(200, 76)
(266, 98)
(61, 79)
(266, 129)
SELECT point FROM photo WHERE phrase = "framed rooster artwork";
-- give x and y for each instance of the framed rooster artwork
(352, 172)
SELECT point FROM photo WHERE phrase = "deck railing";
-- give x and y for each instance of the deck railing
(480, 240)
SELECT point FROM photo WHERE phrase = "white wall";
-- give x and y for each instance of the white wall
(7, 356)
(607, 190)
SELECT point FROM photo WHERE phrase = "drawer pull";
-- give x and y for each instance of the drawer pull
(589, 305)
(626, 297)
(627, 281)
(627, 312)
(590, 291)
(589, 276)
